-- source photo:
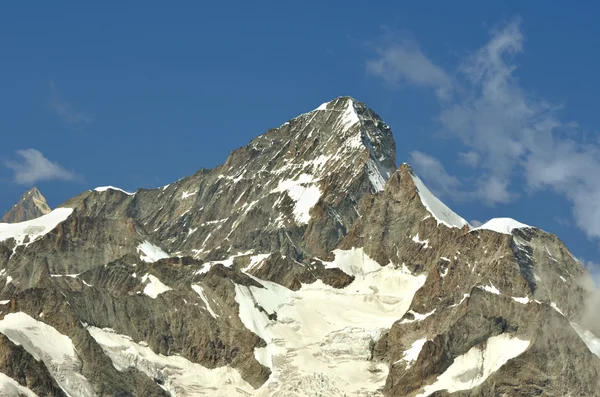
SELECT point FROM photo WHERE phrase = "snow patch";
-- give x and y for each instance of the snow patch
(154, 287)
(54, 349)
(490, 288)
(417, 316)
(105, 188)
(523, 301)
(439, 210)
(501, 225)
(474, 367)
(150, 252)
(416, 239)
(304, 191)
(412, 353)
(187, 194)
(200, 291)
(179, 376)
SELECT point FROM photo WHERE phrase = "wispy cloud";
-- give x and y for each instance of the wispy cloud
(64, 109)
(508, 131)
(442, 183)
(33, 167)
(402, 62)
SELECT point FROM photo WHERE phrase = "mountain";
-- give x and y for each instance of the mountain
(307, 264)
(31, 205)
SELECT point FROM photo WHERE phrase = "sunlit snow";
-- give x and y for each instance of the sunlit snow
(11, 388)
(180, 376)
(474, 367)
(436, 208)
(105, 188)
(35, 228)
(502, 225)
(150, 252)
(331, 355)
(56, 350)
(154, 286)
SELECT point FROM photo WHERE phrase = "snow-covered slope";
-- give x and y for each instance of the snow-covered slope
(56, 350)
(320, 342)
(436, 208)
(474, 367)
(35, 228)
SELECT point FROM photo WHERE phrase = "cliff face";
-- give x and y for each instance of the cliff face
(306, 264)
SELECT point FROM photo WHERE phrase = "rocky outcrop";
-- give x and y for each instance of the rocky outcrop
(31, 205)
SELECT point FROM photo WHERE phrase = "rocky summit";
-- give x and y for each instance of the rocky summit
(307, 264)
(31, 205)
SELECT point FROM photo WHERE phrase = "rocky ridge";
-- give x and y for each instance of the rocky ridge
(306, 264)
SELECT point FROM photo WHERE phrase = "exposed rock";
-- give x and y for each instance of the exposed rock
(31, 205)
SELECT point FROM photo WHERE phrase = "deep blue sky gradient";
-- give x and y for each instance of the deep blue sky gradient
(171, 89)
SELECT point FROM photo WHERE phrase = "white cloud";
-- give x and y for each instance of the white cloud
(63, 108)
(34, 167)
(403, 62)
(476, 223)
(509, 132)
(469, 158)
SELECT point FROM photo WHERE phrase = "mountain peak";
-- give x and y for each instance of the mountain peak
(31, 205)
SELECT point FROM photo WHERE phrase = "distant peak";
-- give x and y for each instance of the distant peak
(31, 205)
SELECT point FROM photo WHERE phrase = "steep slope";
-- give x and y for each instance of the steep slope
(305, 265)
(31, 205)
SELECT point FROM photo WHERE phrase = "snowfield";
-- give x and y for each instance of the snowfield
(54, 349)
(320, 343)
(474, 367)
(35, 228)
(180, 376)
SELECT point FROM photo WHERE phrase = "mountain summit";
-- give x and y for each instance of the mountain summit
(306, 264)
(31, 205)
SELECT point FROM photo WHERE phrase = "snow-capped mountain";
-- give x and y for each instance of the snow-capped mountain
(31, 205)
(306, 265)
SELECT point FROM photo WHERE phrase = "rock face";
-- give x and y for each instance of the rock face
(31, 205)
(306, 264)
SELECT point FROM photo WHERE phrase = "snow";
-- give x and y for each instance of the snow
(200, 291)
(180, 376)
(54, 349)
(35, 228)
(474, 367)
(150, 252)
(105, 188)
(154, 287)
(255, 260)
(436, 208)
(323, 106)
(187, 194)
(555, 307)
(417, 316)
(331, 356)
(490, 288)
(524, 300)
(502, 225)
(304, 191)
(374, 172)
(412, 353)
(416, 239)
(4, 302)
(11, 388)
(590, 340)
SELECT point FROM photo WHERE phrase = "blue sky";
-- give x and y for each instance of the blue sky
(493, 104)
